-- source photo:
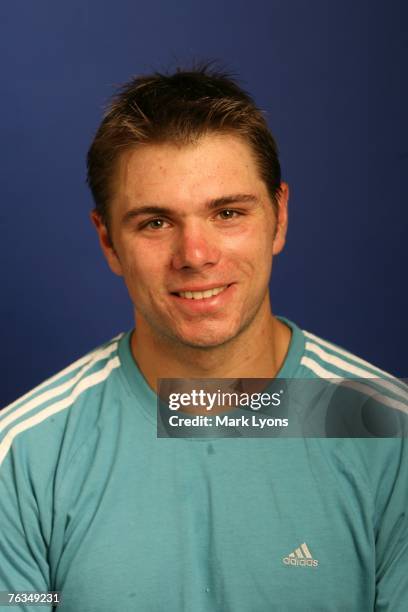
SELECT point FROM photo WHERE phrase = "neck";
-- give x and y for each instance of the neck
(258, 352)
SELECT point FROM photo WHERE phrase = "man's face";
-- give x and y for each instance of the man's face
(194, 232)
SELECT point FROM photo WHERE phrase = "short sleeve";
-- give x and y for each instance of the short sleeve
(392, 537)
(23, 549)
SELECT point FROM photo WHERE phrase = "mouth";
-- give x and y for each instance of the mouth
(201, 295)
(204, 301)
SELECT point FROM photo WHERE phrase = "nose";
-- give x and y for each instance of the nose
(195, 248)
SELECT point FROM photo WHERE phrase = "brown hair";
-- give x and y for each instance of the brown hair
(178, 108)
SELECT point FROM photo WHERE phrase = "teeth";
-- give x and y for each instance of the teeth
(199, 295)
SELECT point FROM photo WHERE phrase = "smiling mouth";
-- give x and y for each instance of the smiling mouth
(201, 295)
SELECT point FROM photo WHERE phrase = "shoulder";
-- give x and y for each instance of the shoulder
(328, 360)
(355, 381)
(46, 408)
(365, 411)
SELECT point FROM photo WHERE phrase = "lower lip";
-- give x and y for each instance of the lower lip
(205, 304)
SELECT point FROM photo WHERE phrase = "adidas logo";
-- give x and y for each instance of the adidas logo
(301, 557)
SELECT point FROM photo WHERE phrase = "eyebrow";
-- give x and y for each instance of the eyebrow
(153, 209)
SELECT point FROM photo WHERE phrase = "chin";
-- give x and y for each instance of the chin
(202, 344)
(208, 340)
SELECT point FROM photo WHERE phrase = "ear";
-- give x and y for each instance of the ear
(106, 244)
(281, 219)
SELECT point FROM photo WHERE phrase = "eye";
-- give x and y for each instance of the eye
(228, 213)
(154, 224)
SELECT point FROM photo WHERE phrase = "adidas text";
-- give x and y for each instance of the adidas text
(300, 562)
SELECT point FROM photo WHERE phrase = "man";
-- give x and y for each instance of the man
(191, 210)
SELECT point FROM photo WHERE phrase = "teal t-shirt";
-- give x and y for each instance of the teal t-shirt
(94, 505)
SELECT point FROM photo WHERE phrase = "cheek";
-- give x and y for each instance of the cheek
(253, 252)
(143, 272)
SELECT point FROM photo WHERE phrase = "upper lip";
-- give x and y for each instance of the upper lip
(201, 288)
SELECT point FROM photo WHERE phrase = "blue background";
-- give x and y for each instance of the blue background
(332, 76)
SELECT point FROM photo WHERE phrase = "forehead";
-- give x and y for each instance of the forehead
(171, 174)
